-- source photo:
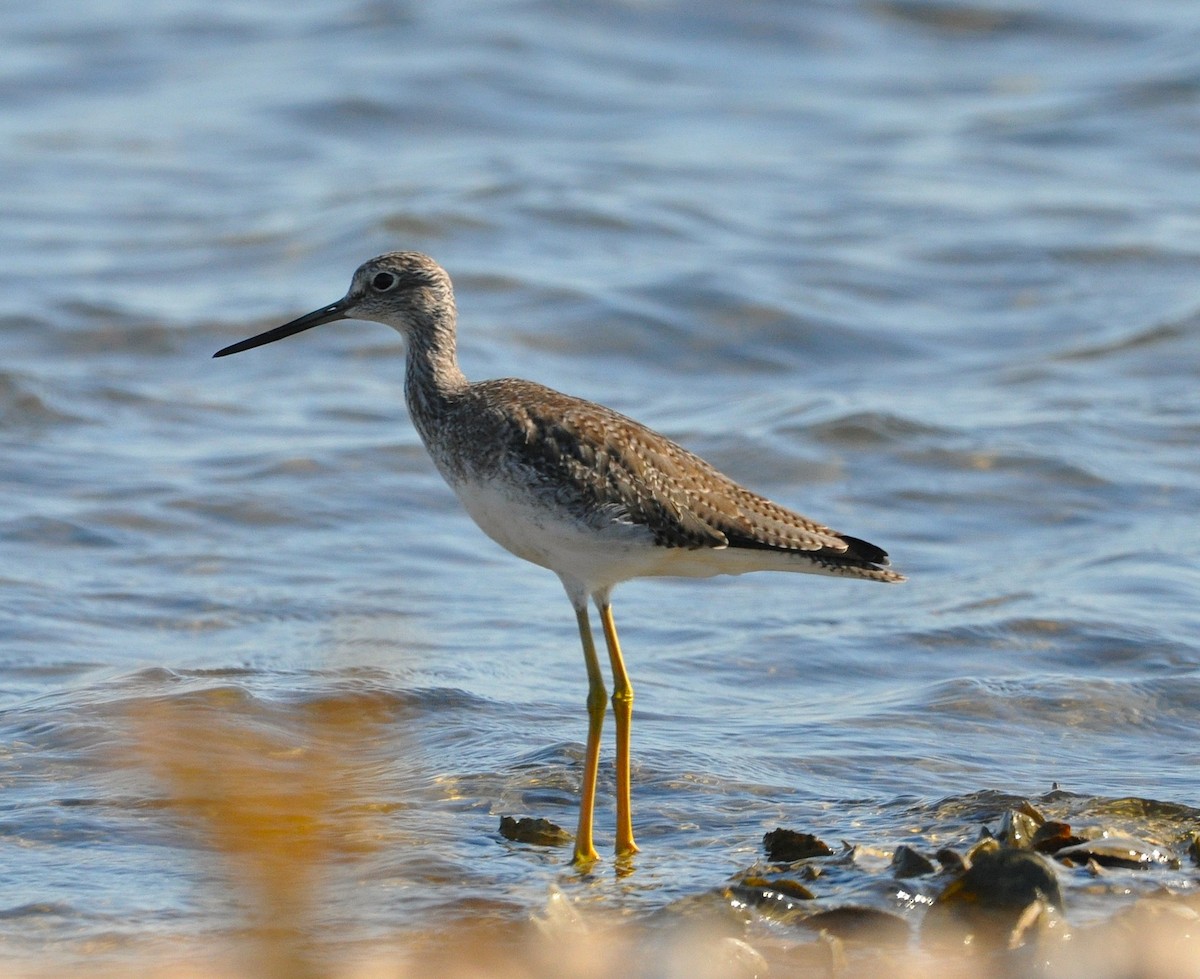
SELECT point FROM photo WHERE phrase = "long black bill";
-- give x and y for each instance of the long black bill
(335, 311)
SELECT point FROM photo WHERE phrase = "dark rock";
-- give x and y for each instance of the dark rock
(782, 896)
(786, 846)
(1004, 896)
(907, 862)
(540, 832)
(1120, 851)
(860, 924)
(951, 860)
(1053, 836)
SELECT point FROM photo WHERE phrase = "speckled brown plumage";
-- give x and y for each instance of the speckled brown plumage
(591, 459)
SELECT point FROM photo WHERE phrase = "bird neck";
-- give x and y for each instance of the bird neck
(432, 375)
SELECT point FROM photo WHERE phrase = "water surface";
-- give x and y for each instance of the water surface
(927, 272)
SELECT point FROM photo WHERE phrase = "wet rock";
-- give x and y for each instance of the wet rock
(811, 871)
(783, 897)
(853, 923)
(988, 844)
(951, 860)
(1004, 896)
(907, 862)
(782, 885)
(786, 846)
(539, 832)
(1006, 878)
(1053, 836)
(1119, 851)
(1018, 827)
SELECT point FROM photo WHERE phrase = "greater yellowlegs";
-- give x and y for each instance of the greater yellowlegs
(577, 488)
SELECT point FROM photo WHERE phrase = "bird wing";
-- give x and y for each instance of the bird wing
(618, 467)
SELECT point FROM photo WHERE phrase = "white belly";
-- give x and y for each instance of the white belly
(595, 553)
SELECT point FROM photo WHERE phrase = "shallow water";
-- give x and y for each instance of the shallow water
(926, 272)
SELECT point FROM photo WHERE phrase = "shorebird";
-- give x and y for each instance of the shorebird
(577, 488)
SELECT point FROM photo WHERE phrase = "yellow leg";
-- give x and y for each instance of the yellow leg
(585, 850)
(622, 701)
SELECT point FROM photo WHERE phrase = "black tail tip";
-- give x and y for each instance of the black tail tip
(861, 550)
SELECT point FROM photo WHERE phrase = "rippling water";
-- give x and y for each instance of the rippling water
(927, 272)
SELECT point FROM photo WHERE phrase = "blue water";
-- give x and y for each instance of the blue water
(926, 272)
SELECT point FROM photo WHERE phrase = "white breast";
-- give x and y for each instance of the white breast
(585, 547)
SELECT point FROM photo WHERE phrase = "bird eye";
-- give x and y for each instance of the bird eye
(383, 282)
